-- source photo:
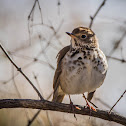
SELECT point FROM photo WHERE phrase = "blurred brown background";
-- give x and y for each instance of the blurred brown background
(34, 49)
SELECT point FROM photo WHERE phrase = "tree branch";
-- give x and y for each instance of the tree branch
(20, 70)
(33, 118)
(92, 18)
(53, 106)
(117, 101)
(118, 59)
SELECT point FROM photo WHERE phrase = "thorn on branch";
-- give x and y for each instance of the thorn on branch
(19, 69)
(58, 3)
(35, 59)
(91, 17)
(116, 45)
(123, 61)
(35, 77)
(4, 82)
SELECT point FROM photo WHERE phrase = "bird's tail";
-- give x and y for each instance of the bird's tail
(57, 97)
(90, 96)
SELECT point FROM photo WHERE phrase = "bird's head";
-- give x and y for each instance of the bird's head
(83, 37)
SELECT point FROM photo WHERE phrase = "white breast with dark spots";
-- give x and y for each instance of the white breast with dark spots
(83, 72)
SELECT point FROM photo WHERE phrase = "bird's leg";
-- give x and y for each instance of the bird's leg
(93, 104)
(87, 104)
(72, 107)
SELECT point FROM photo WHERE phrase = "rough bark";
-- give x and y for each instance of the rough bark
(47, 105)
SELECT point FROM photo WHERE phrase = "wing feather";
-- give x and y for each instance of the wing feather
(58, 71)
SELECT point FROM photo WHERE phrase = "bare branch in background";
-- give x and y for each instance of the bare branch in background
(16, 88)
(49, 41)
(26, 66)
(117, 59)
(38, 112)
(43, 104)
(32, 10)
(54, 34)
(19, 69)
(117, 101)
(53, 106)
(37, 82)
(47, 59)
(58, 4)
(34, 117)
(31, 17)
(93, 17)
(34, 60)
(29, 32)
(40, 10)
(117, 43)
(102, 102)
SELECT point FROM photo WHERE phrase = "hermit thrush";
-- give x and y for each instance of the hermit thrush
(81, 66)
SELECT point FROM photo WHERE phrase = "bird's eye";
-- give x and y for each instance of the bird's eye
(83, 36)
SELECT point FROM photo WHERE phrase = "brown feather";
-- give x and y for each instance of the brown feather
(60, 56)
(56, 81)
(90, 95)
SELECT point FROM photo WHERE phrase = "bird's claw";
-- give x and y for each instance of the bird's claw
(91, 107)
(73, 108)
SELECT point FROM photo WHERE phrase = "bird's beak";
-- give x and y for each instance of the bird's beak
(71, 35)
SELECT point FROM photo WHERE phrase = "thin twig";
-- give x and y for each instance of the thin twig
(61, 107)
(117, 101)
(93, 17)
(19, 69)
(33, 59)
(38, 112)
(33, 118)
(32, 10)
(29, 33)
(13, 78)
(58, 4)
(29, 16)
(47, 59)
(26, 66)
(117, 43)
(16, 88)
(118, 59)
(102, 102)
(54, 34)
(40, 11)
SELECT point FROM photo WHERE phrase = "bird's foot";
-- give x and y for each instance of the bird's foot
(72, 107)
(90, 107)
(93, 104)
(87, 104)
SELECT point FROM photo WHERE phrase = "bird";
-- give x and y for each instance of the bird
(81, 66)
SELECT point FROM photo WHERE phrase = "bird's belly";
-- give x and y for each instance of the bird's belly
(80, 79)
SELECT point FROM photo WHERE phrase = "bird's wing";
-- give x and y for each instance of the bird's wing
(60, 56)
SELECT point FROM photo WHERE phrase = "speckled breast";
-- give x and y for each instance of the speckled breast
(83, 71)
